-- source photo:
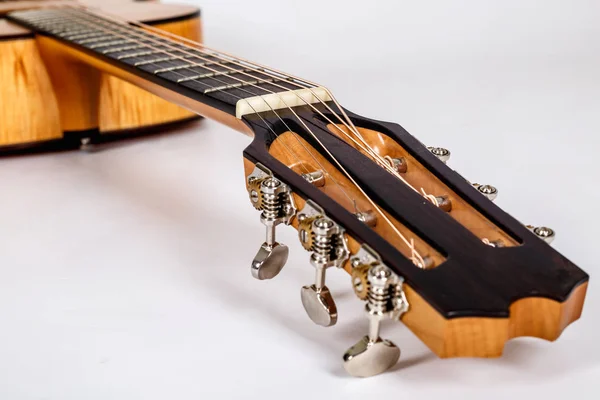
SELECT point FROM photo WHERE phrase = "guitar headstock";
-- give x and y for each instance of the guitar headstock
(422, 244)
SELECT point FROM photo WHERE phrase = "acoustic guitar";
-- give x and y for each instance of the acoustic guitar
(421, 244)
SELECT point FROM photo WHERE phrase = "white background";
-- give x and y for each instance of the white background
(124, 274)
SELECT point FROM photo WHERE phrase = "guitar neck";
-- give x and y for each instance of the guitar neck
(209, 83)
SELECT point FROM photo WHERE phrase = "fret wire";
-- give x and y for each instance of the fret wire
(237, 85)
(84, 36)
(76, 31)
(153, 61)
(172, 69)
(122, 48)
(159, 71)
(207, 75)
(92, 40)
(107, 44)
(138, 54)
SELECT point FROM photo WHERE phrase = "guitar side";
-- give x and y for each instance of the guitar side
(56, 101)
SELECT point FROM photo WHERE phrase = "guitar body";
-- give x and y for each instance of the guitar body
(52, 102)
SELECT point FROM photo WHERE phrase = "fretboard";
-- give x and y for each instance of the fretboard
(213, 78)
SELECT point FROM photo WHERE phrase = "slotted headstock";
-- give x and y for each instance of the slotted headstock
(464, 275)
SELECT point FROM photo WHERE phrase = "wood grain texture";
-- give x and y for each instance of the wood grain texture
(28, 107)
(84, 98)
(446, 337)
(76, 87)
(125, 106)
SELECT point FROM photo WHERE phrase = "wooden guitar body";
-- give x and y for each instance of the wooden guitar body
(50, 101)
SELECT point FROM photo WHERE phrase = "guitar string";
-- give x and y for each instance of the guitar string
(415, 256)
(291, 153)
(361, 143)
(363, 146)
(385, 162)
(286, 147)
(340, 187)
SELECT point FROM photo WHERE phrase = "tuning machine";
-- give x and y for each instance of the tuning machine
(374, 282)
(441, 153)
(543, 232)
(273, 198)
(488, 191)
(324, 238)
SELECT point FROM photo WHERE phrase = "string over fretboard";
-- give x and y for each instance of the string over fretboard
(242, 87)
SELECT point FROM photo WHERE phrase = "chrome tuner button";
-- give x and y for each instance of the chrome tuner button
(367, 358)
(269, 260)
(544, 233)
(488, 191)
(441, 153)
(319, 305)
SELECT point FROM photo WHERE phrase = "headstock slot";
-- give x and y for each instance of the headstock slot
(420, 177)
(341, 189)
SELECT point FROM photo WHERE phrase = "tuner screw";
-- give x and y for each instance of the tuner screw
(441, 153)
(544, 233)
(488, 191)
